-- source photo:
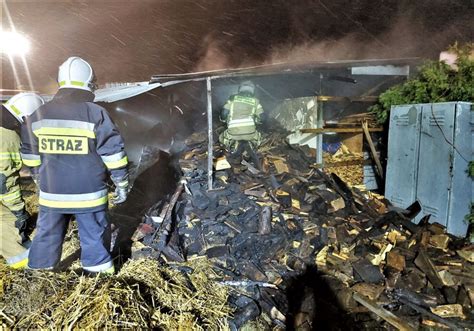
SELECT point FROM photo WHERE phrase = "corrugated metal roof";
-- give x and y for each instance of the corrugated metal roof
(280, 68)
(119, 91)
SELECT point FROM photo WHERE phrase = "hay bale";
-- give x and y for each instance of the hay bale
(142, 294)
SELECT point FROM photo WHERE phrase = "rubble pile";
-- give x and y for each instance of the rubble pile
(299, 245)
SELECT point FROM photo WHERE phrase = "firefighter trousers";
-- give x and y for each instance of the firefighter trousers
(230, 141)
(94, 236)
(10, 240)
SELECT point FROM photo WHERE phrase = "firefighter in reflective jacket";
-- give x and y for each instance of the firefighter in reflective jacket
(75, 144)
(15, 223)
(242, 113)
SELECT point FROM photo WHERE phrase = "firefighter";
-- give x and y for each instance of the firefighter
(77, 145)
(242, 113)
(16, 223)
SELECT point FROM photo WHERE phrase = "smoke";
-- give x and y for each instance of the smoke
(399, 41)
(130, 41)
(213, 55)
(391, 33)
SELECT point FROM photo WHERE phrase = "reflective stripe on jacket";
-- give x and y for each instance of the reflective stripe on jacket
(244, 113)
(78, 144)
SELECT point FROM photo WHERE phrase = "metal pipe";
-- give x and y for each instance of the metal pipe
(209, 134)
(319, 137)
(319, 124)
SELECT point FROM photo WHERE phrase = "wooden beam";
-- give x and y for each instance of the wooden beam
(423, 262)
(372, 148)
(381, 312)
(343, 163)
(333, 98)
(340, 130)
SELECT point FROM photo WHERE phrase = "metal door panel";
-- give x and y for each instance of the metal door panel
(435, 160)
(403, 146)
(462, 184)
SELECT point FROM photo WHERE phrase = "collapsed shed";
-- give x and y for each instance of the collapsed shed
(332, 249)
(313, 97)
(325, 94)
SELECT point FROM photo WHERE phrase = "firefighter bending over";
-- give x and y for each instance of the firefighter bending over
(242, 113)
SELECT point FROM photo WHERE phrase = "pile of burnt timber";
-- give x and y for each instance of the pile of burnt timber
(299, 245)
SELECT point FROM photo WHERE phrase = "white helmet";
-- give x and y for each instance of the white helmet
(76, 73)
(23, 105)
(247, 86)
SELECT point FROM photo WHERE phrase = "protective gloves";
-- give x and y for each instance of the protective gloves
(25, 224)
(122, 188)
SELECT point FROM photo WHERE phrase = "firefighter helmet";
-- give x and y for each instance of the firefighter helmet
(76, 73)
(247, 86)
(23, 105)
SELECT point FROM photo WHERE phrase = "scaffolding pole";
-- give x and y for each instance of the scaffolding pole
(209, 134)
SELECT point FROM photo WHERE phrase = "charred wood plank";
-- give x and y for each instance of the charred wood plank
(386, 315)
(423, 262)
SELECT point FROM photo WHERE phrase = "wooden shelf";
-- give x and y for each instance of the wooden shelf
(331, 98)
(342, 163)
(340, 130)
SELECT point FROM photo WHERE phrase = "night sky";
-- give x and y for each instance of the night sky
(132, 40)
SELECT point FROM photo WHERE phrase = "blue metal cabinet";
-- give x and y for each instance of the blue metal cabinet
(430, 146)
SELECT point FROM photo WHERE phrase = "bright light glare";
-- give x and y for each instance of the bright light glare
(13, 43)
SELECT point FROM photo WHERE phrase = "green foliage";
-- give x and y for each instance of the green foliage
(435, 82)
(470, 169)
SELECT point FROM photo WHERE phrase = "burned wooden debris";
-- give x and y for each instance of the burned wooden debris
(265, 228)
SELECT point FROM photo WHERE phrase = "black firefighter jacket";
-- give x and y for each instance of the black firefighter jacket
(72, 144)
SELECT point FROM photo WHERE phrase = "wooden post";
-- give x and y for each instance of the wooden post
(365, 127)
(209, 134)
